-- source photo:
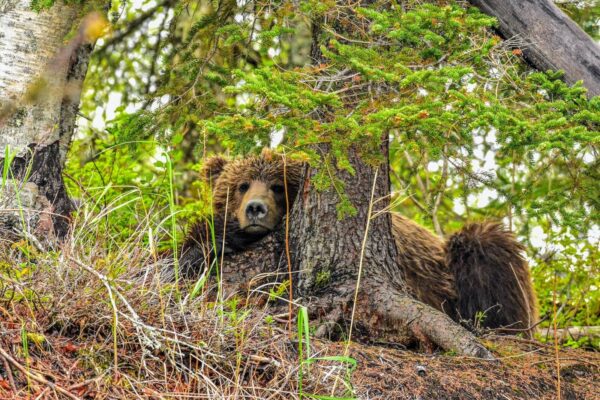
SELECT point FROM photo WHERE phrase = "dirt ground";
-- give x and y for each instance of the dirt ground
(524, 370)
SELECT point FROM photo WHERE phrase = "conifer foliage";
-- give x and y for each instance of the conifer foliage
(475, 133)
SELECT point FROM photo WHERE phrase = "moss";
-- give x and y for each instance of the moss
(18, 118)
(323, 277)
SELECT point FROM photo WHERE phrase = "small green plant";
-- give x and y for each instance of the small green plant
(306, 360)
(323, 277)
(25, 348)
(450, 353)
(277, 291)
(480, 317)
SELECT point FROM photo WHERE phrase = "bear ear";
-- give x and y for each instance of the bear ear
(213, 167)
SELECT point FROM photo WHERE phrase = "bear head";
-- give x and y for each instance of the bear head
(250, 193)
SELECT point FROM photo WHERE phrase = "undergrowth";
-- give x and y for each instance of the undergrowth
(104, 316)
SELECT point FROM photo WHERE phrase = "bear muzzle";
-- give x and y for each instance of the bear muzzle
(260, 209)
(256, 210)
(256, 217)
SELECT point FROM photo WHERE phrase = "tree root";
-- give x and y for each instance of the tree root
(423, 320)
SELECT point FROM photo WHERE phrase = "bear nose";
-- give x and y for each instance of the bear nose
(256, 209)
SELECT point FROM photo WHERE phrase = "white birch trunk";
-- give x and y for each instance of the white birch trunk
(29, 45)
(36, 117)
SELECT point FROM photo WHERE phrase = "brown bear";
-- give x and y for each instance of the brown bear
(253, 193)
(477, 276)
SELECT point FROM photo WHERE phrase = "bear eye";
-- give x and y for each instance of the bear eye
(278, 189)
(244, 187)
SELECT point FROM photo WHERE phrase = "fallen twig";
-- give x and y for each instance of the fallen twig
(9, 375)
(36, 377)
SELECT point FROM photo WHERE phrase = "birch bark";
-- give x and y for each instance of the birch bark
(40, 82)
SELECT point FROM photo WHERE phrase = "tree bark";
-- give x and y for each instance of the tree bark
(348, 271)
(330, 254)
(40, 84)
(550, 39)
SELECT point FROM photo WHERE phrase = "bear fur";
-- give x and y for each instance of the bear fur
(478, 275)
(487, 263)
(261, 174)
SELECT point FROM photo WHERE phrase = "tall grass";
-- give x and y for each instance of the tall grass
(172, 214)
(7, 162)
(128, 318)
(7, 175)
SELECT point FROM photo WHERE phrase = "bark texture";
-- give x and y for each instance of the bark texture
(550, 39)
(330, 253)
(40, 84)
(327, 251)
(331, 256)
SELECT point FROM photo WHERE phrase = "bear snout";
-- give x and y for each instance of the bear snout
(256, 210)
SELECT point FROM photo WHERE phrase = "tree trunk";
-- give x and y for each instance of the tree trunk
(550, 40)
(40, 84)
(349, 274)
(327, 251)
(330, 253)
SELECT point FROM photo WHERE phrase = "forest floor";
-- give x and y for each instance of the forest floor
(87, 323)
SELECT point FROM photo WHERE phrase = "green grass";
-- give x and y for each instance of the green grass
(102, 300)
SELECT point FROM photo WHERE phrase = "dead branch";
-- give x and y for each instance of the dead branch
(38, 378)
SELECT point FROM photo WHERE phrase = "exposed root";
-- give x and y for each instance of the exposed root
(436, 326)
